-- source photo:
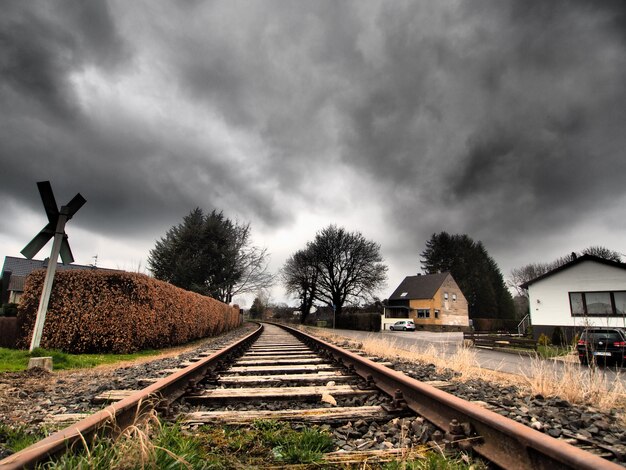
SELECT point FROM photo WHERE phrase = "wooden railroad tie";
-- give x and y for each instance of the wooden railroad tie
(311, 393)
(269, 362)
(294, 369)
(314, 415)
(269, 379)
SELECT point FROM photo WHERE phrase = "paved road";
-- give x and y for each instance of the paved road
(448, 343)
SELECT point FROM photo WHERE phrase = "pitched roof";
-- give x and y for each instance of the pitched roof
(419, 287)
(574, 262)
(23, 266)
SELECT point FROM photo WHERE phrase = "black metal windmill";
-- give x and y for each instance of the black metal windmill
(54, 229)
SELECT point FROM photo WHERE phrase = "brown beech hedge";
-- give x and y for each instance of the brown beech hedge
(119, 312)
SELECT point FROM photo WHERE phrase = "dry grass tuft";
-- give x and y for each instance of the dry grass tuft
(463, 360)
(590, 386)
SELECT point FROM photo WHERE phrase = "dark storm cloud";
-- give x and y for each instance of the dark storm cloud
(132, 175)
(274, 71)
(503, 113)
(40, 42)
(485, 117)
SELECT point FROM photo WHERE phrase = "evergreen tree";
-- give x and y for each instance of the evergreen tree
(476, 273)
(210, 255)
(299, 277)
(257, 309)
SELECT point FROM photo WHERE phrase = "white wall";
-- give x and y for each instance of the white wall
(549, 298)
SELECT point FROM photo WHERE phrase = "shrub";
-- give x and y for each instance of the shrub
(543, 340)
(8, 310)
(558, 337)
(119, 312)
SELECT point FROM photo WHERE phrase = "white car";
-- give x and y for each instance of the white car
(403, 325)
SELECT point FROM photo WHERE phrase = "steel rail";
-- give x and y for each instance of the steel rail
(505, 442)
(113, 419)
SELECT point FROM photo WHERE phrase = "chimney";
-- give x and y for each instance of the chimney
(574, 255)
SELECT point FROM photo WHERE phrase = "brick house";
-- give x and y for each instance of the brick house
(433, 301)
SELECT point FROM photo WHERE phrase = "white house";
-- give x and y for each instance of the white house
(587, 291)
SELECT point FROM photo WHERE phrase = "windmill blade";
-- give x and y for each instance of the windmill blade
(66, 253)
(75, 204)
(39, 241)
(47, 197)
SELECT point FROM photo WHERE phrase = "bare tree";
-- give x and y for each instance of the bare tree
(349, 267)
(603, 252)
(250, 266)
(526, 273)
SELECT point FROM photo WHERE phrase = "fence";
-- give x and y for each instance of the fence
(8, 332)
(487, 340)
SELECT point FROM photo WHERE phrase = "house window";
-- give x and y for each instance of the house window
(620, 302)
(454, 297)
(436, 313)
(597, 303)
(445, 296)
(396, 313)
(576, 303)
(404, 294)
(423, 313)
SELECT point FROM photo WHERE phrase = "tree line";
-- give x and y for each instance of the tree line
(210, 254)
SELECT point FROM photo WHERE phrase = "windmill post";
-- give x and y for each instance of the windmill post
(60, 246)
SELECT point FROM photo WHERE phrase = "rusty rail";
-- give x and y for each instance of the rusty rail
(116, 417)
(502, 441)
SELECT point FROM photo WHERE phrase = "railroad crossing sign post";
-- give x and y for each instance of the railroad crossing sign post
(60, 246)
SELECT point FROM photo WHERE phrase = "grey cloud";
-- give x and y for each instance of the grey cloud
(41, 42)
(524, 96)
(482, 117)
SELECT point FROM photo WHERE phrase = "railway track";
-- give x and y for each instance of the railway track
(290, 376)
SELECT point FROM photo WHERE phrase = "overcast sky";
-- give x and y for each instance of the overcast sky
(504, 120)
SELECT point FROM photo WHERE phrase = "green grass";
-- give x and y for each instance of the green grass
(16, 438)
(154, 445)
(263, 442)
(436, 461)
(307, 446)
(146, 446)
(151, 444)
(549, 351)
(14, 360)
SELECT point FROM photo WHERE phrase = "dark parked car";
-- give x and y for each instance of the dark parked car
(403, 325)
(602, 345)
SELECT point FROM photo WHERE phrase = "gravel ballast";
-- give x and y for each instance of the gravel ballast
(27, 398)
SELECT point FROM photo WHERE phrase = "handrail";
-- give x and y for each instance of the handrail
(523, 325)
